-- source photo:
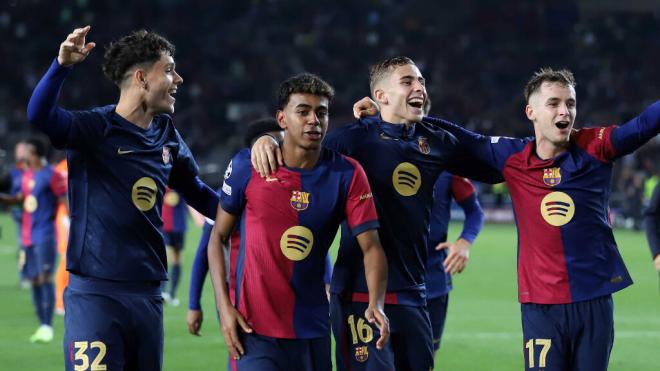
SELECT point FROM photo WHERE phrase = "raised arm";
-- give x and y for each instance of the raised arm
(42, 108)
(634, 133)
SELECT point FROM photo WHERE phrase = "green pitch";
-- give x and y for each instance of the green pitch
(483, 329)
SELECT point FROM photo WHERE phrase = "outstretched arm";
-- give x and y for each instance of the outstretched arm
(634, 133)
(42, 108)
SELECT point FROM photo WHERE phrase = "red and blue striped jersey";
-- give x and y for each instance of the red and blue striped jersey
(566, 248)
(41, 190)
(288, 222)
(175, 212)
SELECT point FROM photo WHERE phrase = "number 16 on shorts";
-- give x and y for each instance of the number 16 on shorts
(361, 334)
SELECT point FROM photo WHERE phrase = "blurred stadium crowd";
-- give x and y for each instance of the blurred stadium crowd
(476, 56)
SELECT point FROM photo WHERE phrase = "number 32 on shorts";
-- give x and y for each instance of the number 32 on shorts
(82, 359)
(531, 354)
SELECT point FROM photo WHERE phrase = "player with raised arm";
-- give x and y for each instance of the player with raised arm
(287, 223)
(559, 180)
(121, 158)
(402, 157)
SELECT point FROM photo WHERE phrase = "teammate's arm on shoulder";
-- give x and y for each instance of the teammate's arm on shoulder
(266, 155)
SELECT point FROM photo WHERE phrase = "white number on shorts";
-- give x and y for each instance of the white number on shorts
(81, 347)
(362, 330)
(546, 343)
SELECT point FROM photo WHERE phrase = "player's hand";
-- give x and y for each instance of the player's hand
(657, 262)
(376, 316)
(74, 50)
(458, 256)
(365, 107)
(266, 155)
(194, 318)
(231, 319)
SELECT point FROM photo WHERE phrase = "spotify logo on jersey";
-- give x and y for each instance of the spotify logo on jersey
(144, 193)
(406, 179)
(172, 198)
(557, 208)
(30, 204)
(296, 243)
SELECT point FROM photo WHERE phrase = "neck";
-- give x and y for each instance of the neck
(394, 119)
(547, 150)
(298, 157)
(133, 110)
(35, 164)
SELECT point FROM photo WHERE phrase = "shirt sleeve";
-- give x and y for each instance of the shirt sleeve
(634, 133)
(485, 155)
(652, 222)
(237, 176)
(327, 273)
(465, 195)
(360, 208)
(66, 129)
(200, 268)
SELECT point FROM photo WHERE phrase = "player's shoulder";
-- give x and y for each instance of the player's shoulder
(431, 129)
(584, 136)
(337, 161)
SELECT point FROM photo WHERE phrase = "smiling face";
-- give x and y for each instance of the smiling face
(160, 83)
(305, 120)
(552, 110)
(401, 95)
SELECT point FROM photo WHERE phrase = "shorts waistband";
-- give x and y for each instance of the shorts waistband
(92, 284)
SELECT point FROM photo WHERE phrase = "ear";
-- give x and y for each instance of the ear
(529, 112)
(140, 78)
(281, 119)
(380, 96)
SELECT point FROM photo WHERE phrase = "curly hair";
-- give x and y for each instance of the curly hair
(139, 47)
(379, 70)
(547, 74)
(306, 83)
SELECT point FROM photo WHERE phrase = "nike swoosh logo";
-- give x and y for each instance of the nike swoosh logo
(120, 152)
(385, 137)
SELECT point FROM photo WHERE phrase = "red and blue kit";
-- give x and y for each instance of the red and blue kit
(288, 222)
(41, 190)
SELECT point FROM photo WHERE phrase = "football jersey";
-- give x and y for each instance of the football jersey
(16, 212)
(448, 187)
(41, 190)
(402, 164)
(175, 212)
(566, 248)
(118, 173)
(288, 222)
(652, 221)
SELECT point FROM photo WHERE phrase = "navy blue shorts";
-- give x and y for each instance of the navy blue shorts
(174, 240)
(409, 348)
(575, 336)
(438, 314)
(39, 258)
(114, 324)
(263, 353)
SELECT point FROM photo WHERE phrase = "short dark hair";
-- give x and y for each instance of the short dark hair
(258, 128)
(547, 74)
(38, 144)
(138, 47)
(305, 83)
(380, 69)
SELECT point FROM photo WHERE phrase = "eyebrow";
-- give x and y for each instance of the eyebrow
(304, 105)
(555, 99)
(411, 77)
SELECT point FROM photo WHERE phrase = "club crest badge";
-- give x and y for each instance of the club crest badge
(166, 154)
(299, 200)
(552, 176)
(361, 353)
(424, 146)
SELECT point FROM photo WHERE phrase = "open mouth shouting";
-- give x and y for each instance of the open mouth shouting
(561, 125)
